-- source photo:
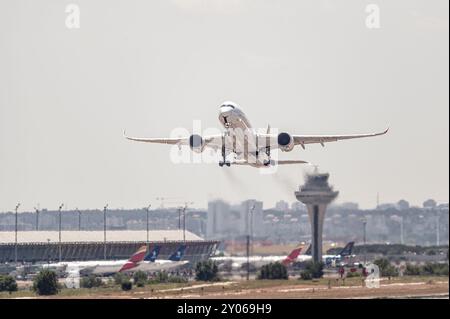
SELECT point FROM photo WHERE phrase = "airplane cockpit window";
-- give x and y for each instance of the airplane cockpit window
(228, 105)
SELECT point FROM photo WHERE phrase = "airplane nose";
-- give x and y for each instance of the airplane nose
(225, 110)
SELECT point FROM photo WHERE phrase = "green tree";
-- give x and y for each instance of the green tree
(140, 278)
(8, 283)
(91, 282)
(386, 269)
(206, 271)
(273, 271)
(412, 270)
(119, 278)
(46, 283)
(313, 270)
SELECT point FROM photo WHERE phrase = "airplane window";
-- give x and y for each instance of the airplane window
(228, 105)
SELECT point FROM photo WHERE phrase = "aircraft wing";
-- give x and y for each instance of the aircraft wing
(317, 139)
(279, 162)
(320, 139)
(213, 141)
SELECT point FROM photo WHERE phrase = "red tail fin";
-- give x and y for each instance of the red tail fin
(292, 256)
(135, 259)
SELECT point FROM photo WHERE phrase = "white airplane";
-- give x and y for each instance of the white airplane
(258, 261)
(248, 146)
(152, 264)
(100, 267)
(329, 260)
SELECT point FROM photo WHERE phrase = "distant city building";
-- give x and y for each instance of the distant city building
(298, 207)
(218, 218)
(282, 206)
(349, 206)
(256, 220)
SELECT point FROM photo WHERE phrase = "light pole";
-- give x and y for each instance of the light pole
(15, 234)
(184, 223)
(364, 221)
(251, 211)
(437, 229)
(37, 218)
(60, 224)
(148, 211)
(104, 230)
(184, 220)
(49, 249)
(79, 219)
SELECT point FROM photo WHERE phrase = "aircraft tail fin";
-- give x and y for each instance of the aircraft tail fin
(307, 250)
(347, 250)
(178, 255)
(135, 259)
(292, 256)
(153, 254)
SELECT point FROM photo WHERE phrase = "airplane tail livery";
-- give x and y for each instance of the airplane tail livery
(292, 256)
(178, 255)
(152, 255)
(347, 250)
(135, 259)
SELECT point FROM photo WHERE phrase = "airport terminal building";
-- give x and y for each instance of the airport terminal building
(45, 246)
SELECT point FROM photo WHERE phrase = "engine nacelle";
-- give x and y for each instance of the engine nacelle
(285, 142)
(196, 143)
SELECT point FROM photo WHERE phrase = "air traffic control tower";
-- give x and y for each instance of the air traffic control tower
(316, 194)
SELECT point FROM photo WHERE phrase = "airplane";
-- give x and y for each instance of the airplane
(259, 261)
(151, 263)
(248, 146)
(330, 259)
(99, 267)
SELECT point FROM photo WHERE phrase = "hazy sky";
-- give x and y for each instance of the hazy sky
(306, 67)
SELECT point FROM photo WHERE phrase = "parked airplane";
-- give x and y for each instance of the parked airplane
(258, 261)
(330, 259)
(151, 263)
(247, 146)
(103, 267)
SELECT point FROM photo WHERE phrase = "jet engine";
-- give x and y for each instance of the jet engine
(285, 142)
(196, 143)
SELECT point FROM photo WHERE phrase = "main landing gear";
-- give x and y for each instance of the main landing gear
(226, 163)
(224, 154)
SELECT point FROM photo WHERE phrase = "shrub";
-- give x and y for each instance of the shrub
(91, 282)
(126, 285)
(386, 269)
(206, 271)
(353, 274)
(315, 269)
(178, 280)
(8, 283)
(306, 275)
(413, 270)
(119, 278)
(140, 278)
(46, 283)
(273, 271)
(435, 269)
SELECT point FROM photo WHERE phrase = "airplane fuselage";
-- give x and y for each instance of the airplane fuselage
(240, 137)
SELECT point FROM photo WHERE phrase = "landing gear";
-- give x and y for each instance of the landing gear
(224, 154)
(226, 163)
(268, 161)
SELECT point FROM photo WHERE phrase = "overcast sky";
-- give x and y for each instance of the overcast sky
(305, 67)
